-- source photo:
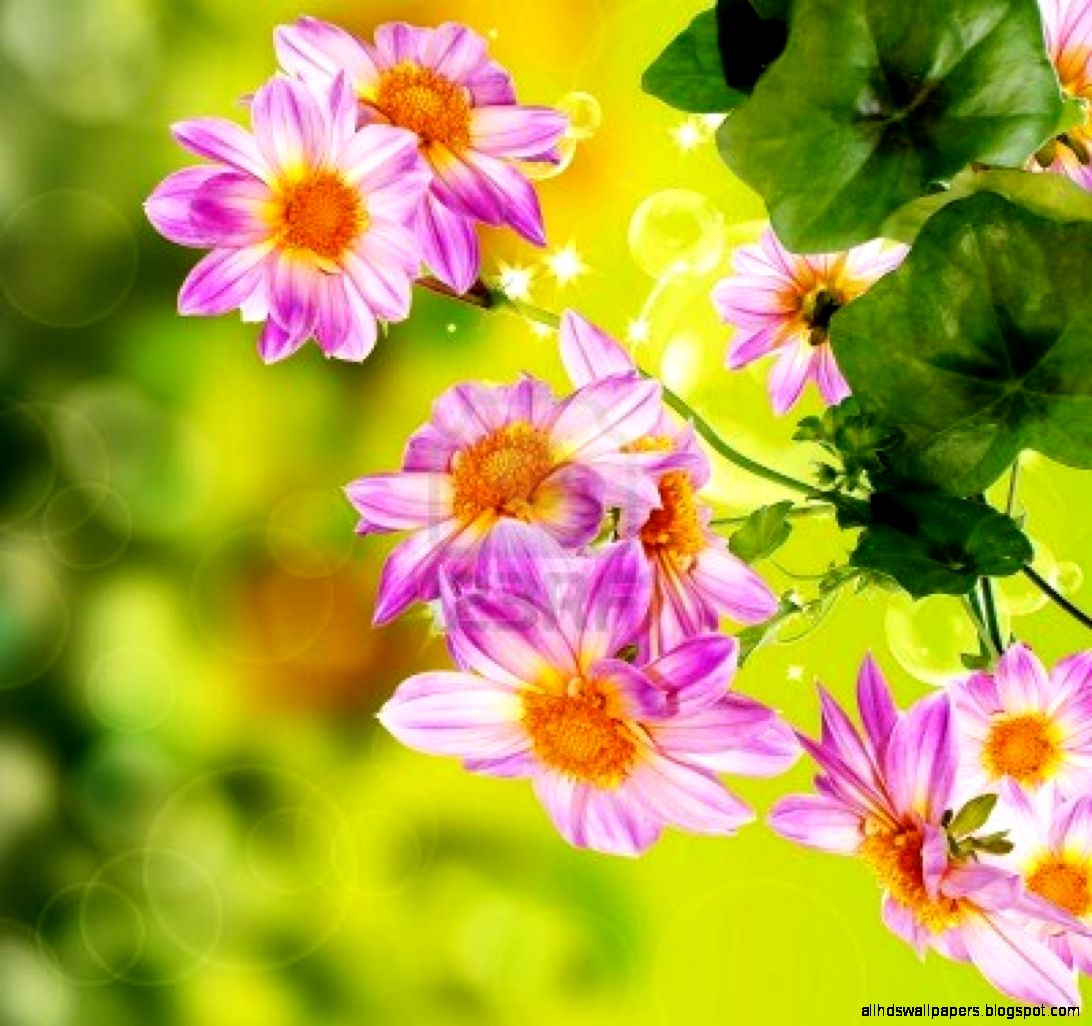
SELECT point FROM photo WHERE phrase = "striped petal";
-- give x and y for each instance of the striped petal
(317, 51)
(687, 797)
(731, 586)
(449, 244)
(169, 208)
(589, 353)
(224, 142)
(290, 126)
(400, 502)
(817, 821)
(222, 281)
(606, 415)
(229, 209)
(511, 131)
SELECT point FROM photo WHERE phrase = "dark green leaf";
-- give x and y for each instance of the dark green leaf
(689, 75)
(762, 533)
(773, 9)
(874, 101)
(750, 638)
(993, 844)
(978, 346)
(973, 815)
(750, 41)
(937, 544)
(1053, 196)
(975, 661)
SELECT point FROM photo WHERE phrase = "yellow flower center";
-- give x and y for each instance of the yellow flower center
(322, 214)
(434, 107)
(581, 733)
(1063, 882)
(1023, 747)
(500, 472)
(895, 857)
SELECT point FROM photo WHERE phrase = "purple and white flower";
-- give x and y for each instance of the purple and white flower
(441, 84)
(306, 219)
(615, 751)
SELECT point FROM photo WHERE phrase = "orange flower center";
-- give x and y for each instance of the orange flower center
(500, 472)
(1063, 882)
(434, 107)
(1022, 747)
(322, 214)
(817, 308)
(896, 859)
(581, 733)
(675, 528)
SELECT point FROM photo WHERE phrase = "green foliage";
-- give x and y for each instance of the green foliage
(688, 75)
(973, 815)
(1053, 196)
(854, 439)
(978, 346)
(763, 532)
(932, 543)
(872, 102)
(960, 829)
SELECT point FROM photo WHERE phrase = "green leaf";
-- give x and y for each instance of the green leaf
(872, 102)
(689, 75)
(1049, 195)
(762, 533)
(978, 346)
(773, 9)
(937, 544)
(750, 41)
(973, 815)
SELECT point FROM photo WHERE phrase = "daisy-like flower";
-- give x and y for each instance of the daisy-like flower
(1052, 852)
(885, 796)
(696, 579)
(615, 751)
(1023, 725)
(781, 303)
(1068, 28)
(505, 453)
(305, 218)
(441, 85)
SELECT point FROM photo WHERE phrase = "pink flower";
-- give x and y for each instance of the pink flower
(781, 302)
(1068, 28)
(615, 751)
(1022, 725)
(305, 219)
(883, 796)
(1052, 852)
(695, 578)
(441, 85)
(509, 453)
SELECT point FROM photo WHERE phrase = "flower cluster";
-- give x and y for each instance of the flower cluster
(366, 161)
(910, 793)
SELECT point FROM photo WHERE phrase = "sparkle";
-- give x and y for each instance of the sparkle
(515, 280)
(688, 135)
(638, 330)
(452, 328)
(795, 673)
(566, 264)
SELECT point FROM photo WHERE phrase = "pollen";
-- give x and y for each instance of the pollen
(1065, 883)
(1023, 747)
(322, 214)
(426, 103)
(500, 472)
(581, 733)
(895, 856)
(675, 528)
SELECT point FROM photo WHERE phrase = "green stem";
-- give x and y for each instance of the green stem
(822, 509)
(495, 298)
(1057, 597)
(1014, 476)
(974, 611)
(989, 605)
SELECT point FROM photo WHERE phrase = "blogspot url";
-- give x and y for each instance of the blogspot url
(984, 1011)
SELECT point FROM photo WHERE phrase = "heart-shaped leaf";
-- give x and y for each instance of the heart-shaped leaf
(689, 75)
(978, 346)
(873, 101)
(937, 544)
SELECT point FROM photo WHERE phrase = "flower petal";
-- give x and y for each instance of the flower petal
(511, 131)
(400, 502)
(731, 586)
(696, 673)
(456, 714)
(317, 51)
(222, 281)
(229, 209)
(224, 142)
(449, 244)
(589, 353)
(878, 712)
(290, 126)
(377, 267)
(169, 206)
(379, 156)
(687, 797)
(817, 821)
(604, 416)
(1022, 683)
(920, 762)
(569, 505)
(789, 375)
(612, 603)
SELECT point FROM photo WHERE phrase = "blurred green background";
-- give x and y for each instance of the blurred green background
(199, 822)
